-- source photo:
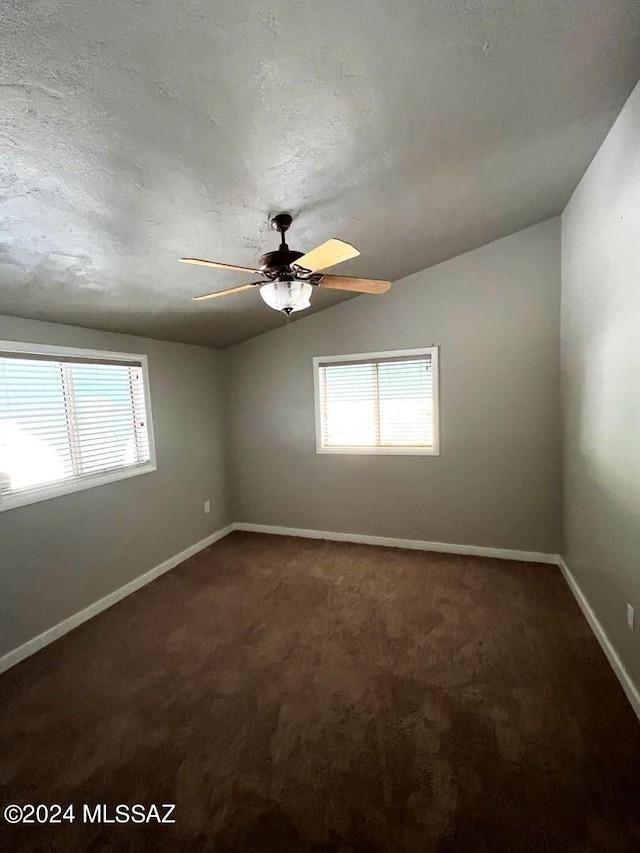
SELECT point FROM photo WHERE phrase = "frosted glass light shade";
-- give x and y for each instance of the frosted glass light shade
(287, 296)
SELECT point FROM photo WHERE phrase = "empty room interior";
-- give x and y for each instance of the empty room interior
(320, 426)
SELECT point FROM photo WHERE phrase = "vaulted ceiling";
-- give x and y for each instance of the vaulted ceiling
(136, 131)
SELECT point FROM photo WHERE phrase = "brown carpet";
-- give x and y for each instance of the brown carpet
(299, 695)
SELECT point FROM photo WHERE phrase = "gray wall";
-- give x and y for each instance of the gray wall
(60, 555)
(495, 313)
(601, 382)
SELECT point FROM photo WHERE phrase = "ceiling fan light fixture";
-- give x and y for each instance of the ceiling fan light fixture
(287, 296)
(291, 276)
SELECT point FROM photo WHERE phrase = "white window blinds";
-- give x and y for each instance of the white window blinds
(378, 402)
(68, 419)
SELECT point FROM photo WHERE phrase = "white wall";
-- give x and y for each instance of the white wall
(601, 382)
(61, 555)
(495, 313)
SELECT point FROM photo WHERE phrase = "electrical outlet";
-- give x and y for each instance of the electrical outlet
(207, 506)
(630, 617)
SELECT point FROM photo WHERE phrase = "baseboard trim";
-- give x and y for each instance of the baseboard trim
(411, 544)
(631, 690)
(62, 628)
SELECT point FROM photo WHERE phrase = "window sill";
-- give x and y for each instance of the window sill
(381, 451)
(56, 490)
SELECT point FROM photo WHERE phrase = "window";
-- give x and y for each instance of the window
(379, 402)
(70, 419)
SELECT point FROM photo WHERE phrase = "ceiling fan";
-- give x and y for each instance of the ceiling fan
(288, 277)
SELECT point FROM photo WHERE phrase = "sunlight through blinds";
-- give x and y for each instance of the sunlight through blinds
(378, 403)
(65, 419)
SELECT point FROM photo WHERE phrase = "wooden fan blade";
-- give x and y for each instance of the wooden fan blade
(327, 255)
(358, 285)
(227, 292)
(203, 263)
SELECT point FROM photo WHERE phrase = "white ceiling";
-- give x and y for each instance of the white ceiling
(136, 131)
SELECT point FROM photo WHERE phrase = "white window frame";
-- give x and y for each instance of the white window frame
(90, 481)
(434, 450)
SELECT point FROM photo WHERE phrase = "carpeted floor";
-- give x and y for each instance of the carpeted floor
(299, 695)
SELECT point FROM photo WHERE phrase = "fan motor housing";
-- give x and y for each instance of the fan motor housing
(279, 261)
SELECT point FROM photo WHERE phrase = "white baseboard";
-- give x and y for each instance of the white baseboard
(412, 544)
(630, 689)
(42, 640)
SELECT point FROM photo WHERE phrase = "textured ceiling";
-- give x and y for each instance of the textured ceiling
(136, 131)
